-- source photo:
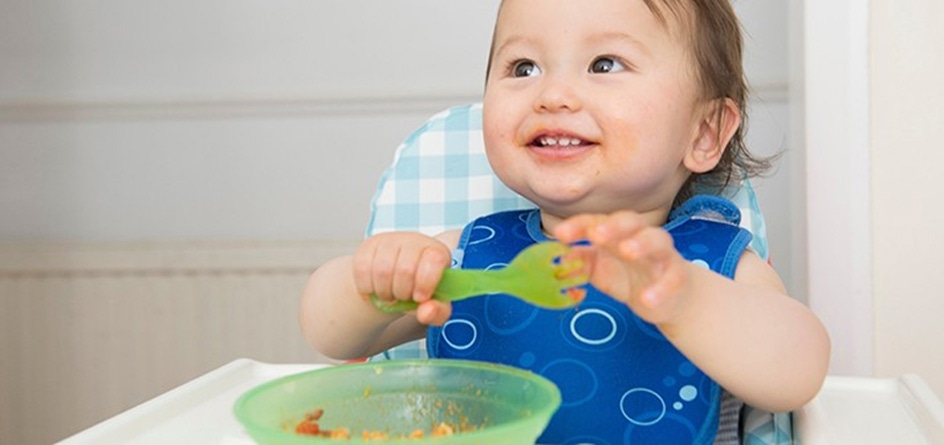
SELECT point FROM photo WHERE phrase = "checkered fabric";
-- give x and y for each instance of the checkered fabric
(440, 180)
(763, 428)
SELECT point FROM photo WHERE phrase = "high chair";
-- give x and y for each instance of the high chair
(440, 180)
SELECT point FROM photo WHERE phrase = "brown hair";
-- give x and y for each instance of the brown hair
(714, 32)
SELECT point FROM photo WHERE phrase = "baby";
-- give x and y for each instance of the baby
(611, 116)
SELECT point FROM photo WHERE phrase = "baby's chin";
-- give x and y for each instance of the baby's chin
(564, 209)
(561, 208)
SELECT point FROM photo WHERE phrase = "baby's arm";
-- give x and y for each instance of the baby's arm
(335, 314)
(747, 334)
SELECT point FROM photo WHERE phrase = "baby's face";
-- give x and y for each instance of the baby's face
(590, 106)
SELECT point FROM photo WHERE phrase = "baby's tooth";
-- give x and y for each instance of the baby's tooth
(563, 141)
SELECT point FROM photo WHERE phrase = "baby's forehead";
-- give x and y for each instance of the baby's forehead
(655, 26)
(674, 16)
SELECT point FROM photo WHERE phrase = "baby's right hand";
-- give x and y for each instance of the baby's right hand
(404, 266)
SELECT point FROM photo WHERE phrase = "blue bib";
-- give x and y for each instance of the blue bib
(621, 380)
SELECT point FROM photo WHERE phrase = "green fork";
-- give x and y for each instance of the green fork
(541, 275)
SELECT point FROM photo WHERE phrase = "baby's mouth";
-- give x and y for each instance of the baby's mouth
(559, 141)
(562, 141)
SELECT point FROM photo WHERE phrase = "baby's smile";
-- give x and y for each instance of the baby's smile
(563, 141)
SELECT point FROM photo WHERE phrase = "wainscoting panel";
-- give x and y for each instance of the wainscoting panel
(89, 331)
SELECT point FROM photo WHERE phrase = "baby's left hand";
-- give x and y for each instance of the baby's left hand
(632, 262)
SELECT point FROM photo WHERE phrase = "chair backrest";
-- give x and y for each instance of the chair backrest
(440, 179)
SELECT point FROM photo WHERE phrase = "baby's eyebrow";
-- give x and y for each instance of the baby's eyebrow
(624, 38)
(511, 41)
(598, 38)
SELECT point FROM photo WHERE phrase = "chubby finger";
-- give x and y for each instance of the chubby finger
(362, 264)
(404, 273)
(433, 261)
(659, 302)
(667, 284)
(433, 312)
(616, 227)
(382, 270)
(652, 243)
(600, 229)
(577, 228)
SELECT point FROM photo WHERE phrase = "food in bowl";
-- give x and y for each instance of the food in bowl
(479, 402)
(310, 427)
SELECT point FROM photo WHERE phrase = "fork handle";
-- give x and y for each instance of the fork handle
(459, 284)
(455, 284)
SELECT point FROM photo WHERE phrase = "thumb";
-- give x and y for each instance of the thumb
(433, 312)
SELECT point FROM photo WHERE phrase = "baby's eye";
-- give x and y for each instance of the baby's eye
(525, 68)
(606, 64)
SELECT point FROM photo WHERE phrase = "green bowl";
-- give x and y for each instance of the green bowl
(504, 405)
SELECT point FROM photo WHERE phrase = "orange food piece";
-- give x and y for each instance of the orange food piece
(577, 293)
(308, 427)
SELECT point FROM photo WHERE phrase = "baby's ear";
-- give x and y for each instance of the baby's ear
(717, 126)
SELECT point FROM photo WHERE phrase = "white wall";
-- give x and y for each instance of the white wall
(907, 130)
(218, 120)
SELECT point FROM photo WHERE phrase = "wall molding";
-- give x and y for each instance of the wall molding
(224, 107)
(66, 259)
(235, 106)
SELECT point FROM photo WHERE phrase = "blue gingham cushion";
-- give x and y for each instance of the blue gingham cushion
(440, 179)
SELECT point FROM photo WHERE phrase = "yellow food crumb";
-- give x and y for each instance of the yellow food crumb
(374, 435)
(341, 433)
(441, 430)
